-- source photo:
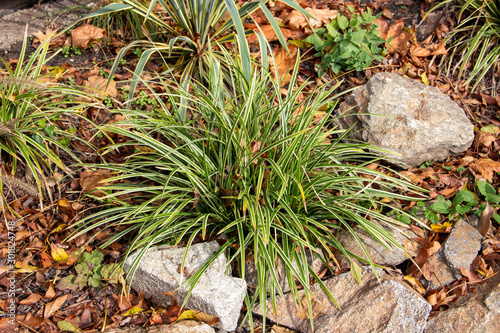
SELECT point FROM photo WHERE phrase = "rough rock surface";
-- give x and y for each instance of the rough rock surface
(401, 115)
(377, 252)
(462, 246)
(387, 305)
(60, 13)
(475, 313)
(312, 259)
(443, 274)
(183, 326)
(215, 293)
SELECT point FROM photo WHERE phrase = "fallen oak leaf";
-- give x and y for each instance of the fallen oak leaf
(40, 36)
(486, 168)
(296, 20)
(81, 37)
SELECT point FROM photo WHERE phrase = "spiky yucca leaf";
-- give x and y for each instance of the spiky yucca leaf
(196, 35)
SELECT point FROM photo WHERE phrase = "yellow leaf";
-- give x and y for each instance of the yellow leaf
(58, 254)
(440, 227)
(23, 268)
(424, 78)
(188, 314)
(415, 284)
(356, 272)
(132, 311)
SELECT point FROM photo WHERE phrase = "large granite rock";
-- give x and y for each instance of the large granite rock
(387, 305)
(215, 293)
(462, 246)
(411, 119)
(478, 312)
(183, 326)
(378, 253)
(15, 16)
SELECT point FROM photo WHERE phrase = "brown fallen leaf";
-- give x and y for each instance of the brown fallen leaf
(52, 307)
(483, 225)
(99, 86)
(31, 299)
(268, 32)
(486, 168)
(284, 63)
(40, 36)
(400, 37)
(296, 20)
(415, 284)
(318, 308)
(89, 180)
(81, 37)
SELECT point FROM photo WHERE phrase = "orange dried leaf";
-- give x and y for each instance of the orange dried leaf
(82, 37)
(40, 36)
(99, 85)
(52, 307)
(31, 299)
(284, 63)
(296, 20)
(487, 168)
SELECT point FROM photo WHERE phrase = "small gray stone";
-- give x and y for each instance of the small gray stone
(215, 293)
(377, 252)
(415, 121)
(462, 246)
(443, 274)
(385, 305)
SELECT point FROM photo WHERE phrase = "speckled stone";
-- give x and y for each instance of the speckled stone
(385, 305)
(462, 246)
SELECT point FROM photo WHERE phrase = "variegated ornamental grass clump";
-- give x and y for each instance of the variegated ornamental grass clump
(251, 164)
(29, 107)
(475, 41)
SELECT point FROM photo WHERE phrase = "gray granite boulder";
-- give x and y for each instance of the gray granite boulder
(215, 293)
(377, 252)
(385, 305)
(478, 312)
(415, 121)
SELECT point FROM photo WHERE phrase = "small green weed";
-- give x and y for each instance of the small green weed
(463, 202)
(70, 51)
(143, 99)
(347, 44)
(90, 272)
